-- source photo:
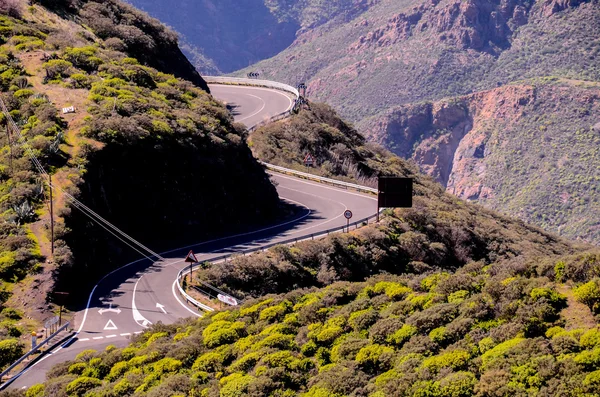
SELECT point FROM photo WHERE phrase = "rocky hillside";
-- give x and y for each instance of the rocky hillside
(444, 299)
(520, 128)
(227, 35)
(529, 149)
(140, 149)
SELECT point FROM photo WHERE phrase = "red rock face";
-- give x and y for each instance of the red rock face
(448, 139)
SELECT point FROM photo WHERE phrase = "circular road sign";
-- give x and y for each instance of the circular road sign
(348, 214)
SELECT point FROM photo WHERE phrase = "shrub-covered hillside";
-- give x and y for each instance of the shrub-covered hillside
(152, 153)
(440, 231)
(526, 329)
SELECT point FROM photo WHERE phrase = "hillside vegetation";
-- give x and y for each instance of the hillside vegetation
(484, 330)
(139, 149)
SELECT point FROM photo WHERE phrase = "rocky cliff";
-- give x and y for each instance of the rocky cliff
(528, 149)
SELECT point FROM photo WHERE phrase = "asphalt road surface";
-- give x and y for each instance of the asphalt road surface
(251, 105)
(130, 299)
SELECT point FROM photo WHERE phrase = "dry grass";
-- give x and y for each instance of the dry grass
(576, 315)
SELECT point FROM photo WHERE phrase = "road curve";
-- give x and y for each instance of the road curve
(130, 299)
(251, 105)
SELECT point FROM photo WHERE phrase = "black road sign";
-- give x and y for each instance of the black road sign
(395, 192)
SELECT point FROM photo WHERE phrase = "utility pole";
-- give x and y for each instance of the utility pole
(10, 155)
(51, 215)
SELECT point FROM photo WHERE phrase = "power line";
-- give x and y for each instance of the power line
(95, 217)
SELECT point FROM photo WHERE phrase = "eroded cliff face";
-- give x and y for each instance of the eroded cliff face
(529, 149)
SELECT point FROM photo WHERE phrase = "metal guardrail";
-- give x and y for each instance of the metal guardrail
(257, 83)
(35, 349)
(312, 236)
(304, 175)
(251, 82)
(320, 179)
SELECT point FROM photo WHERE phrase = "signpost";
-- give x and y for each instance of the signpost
(394, 192)
(191, 259)
(348, 216)
(252, 75)
(309, 160)
(231, 301)
(60, 298)
(302, 89)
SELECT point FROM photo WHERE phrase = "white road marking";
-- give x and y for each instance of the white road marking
(161, 307)
(110, 309)
(84, 339)
(126, 334)
(110, 325)
(111, 336)
(137, 316)
(98, 337)
(138, 332)
(255, 113)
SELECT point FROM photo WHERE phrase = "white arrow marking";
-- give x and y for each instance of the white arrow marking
(110, 325)
(110, 309)
(137, 316)
(161, 307)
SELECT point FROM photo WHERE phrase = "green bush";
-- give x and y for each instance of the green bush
(402, 336)
(455, 359)
(57, 68)
(10, 351)
(82, 385)
(375, 358)
(589, 294)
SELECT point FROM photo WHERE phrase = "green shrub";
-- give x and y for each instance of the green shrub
(593, 379)
(222, 332)
(590, 359)
(438, 335)
(458, 296)
(589, 294)
(82, 385)
(35, 391)
(57, 68)
(10, 351)
(77, 368)
(246, 363)
(275, 312)
(118, 370)
(80, 80)
(456, 359)
(500, 351)
(554, 298)
(590, 339)
(375, 357)
(402, 336)
(235, 385)
(209, 362)
(363, 319)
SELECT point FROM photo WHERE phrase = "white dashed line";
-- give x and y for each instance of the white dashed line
(138, 332)
(98, 337)
(126, 334)
(111, 336)
(84, 339)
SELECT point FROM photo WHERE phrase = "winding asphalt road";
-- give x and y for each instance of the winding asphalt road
(132, 298)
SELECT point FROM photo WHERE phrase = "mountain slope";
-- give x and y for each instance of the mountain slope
(528, 149)
(385, 73)
(152, 153)
(228, 35)
(444, 299)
